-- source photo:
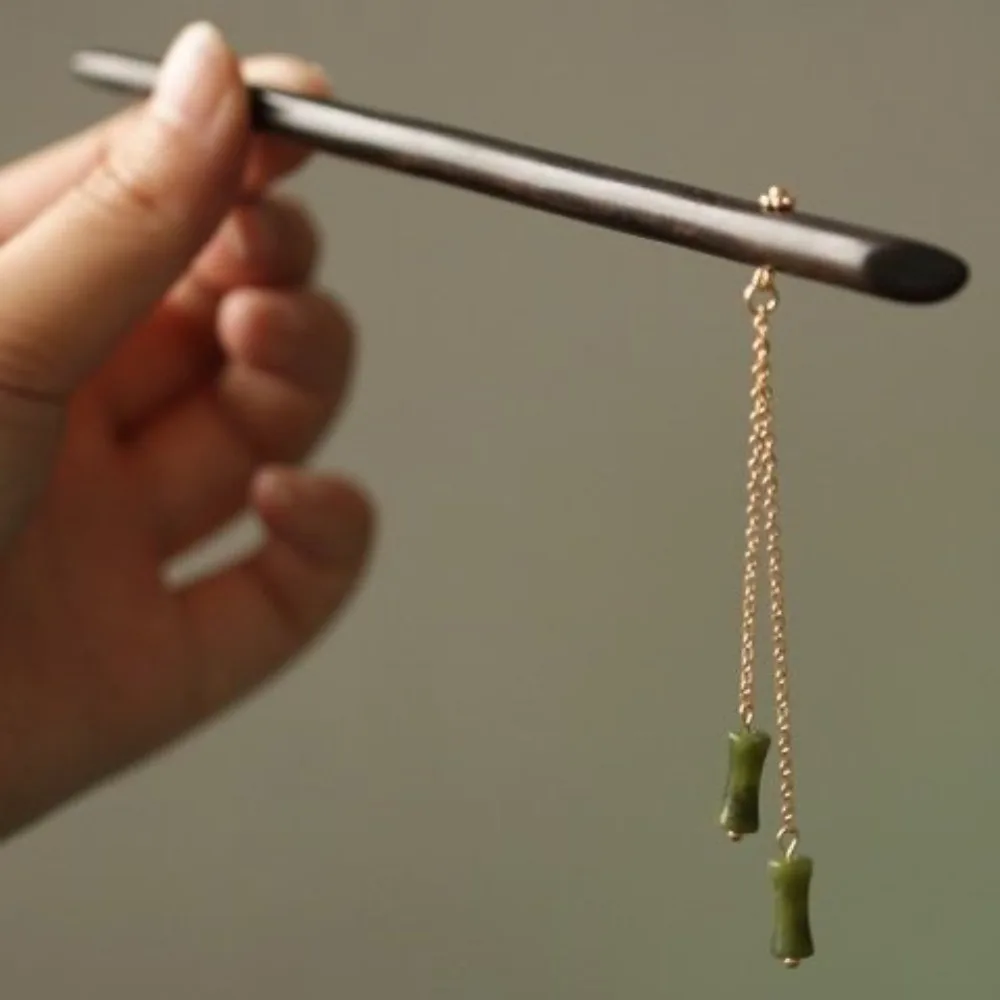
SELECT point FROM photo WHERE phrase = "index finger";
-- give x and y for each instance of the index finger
(272, 157)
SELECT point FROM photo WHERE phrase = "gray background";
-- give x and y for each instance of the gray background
(499, 777)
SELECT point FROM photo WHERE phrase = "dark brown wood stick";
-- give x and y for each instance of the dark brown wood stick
(835, 253)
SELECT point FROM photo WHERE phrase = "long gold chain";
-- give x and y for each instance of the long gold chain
(748, 638)
(761, 297)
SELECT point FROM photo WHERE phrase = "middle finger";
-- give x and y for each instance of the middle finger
(269, 243)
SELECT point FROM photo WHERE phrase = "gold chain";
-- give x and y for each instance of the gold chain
(761, 297)
(748, 640)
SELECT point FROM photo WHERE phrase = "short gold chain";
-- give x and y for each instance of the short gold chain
(761, 297)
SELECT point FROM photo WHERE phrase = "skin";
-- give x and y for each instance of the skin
(166, 362)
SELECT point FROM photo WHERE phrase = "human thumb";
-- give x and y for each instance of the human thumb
(93, 264)
(74, 281)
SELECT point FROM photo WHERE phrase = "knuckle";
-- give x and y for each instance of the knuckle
(334, 343)
(130, 180)
(266, 240)
(30, 365)
(296, 210)
(114, 187)
(334, 311)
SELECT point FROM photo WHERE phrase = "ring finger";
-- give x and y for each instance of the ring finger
(291, 355)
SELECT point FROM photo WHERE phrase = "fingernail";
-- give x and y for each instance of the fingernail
(194, 77)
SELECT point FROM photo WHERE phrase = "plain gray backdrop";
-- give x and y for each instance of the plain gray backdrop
(499, 776)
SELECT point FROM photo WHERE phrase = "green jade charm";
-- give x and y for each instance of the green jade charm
(791, 940)
(741, 803)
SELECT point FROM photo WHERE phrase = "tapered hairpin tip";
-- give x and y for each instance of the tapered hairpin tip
(915, 272)
(114, 70)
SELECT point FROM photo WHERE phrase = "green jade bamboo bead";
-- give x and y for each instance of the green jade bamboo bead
(791, 940)
(741, 802)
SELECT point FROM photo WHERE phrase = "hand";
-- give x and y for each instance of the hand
(164, 363)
